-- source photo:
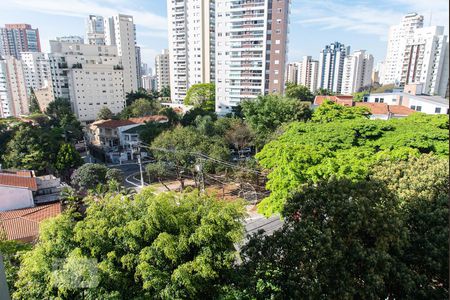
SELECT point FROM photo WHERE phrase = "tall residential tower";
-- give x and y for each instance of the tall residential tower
(16, 38)
(251, 46)
(191, 44)
(331, 66)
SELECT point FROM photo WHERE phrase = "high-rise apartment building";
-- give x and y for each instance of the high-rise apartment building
(425, 60)
(121, 32)
(138, 66)
(149, 82)
(357, 73)
(70, 39)
(308, 73)
(331, 66)
(16, 38)
(251, 40)
(292, 73)
(90, 76)
(398, 34)
(95, 30)
(162, 68)
(191, 44)
(36, 69)
(13, 89)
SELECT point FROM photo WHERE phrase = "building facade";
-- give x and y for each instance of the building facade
(331, 66)
(251, 45)
(36, 68)
(16, 38)
(425, 60)
(162, 70)
(398, 34)
(191, 25)
(308, 73)
(120, 32)
(13, 89)
(150, 82)
(291, 73)
(139, 66)
(357, 72)
(95, 30)
(90, 76)
(70, 39)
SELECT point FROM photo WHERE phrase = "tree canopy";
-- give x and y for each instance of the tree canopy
(266, 113)
(105, 114)
(330, 111)
(140, 108)
(202, 95)
(67, 160)
(299, 92)
(143, 247)
(88, 176)
(310, 152)
(34, 104)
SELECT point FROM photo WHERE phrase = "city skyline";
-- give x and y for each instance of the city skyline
(359, 24)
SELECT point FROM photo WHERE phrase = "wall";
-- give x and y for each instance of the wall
(15, 198)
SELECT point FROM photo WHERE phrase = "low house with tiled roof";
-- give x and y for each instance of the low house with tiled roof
(23, 224)
(377, 110)
(106, 133)
(22, 189)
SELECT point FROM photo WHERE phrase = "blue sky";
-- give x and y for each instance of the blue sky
(314, 23)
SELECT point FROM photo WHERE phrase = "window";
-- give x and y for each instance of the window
(418, 108)
(413, 107)
(437, 110)
(378, 100)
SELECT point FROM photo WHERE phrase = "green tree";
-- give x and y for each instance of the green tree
(191, 115)
(165, 92)
(310, 152)
(180, 147)
(339, 241)
(140, 108)
(359, 96)
(171, 114)
(140, 94)
(299, 92)
(64, 121)
(422, 185)
(105, 114)
(324, 92)
(12, 252)
(67, 160)
(88, 176)
(202, 95)
(266, 113)
(330, 111)
(31, 148)
(34, 104)
(150, 130)
(239, 135)
(158, 171)
(167, 246)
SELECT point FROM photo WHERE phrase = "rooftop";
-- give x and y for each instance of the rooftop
(435, 99)
(20, 179)
(23, 224)
(131, 121)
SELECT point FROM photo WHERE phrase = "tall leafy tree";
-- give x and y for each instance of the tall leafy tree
(34, 104)
(67, 160)
(143, 247)
(64, 121)
(267, 113)
(105, 114)
(202, 95)
(165, 92)
(339, 241)
(31, 148)
(88, 176)
(310, 152)
(299, 92)
(140, 108)
(330, 111)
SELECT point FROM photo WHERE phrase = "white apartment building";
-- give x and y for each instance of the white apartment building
(308, 73)
(331, 66)
(425, 60)
(13, 89)
(191, 28)
(398, 34)
(36, 69)
(70, 39)
(291, 72)
(150, 82)
(357, 72)
(162, 68)
(95, 30)
(91, 76)
(120, 32)
(251, 39)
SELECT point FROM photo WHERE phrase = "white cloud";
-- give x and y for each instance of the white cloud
(82, 8)
(365, 17)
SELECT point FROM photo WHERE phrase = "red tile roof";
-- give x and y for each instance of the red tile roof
(156, 118)
(23, 224)
(375, 108)
(401, 110)
(19, 179)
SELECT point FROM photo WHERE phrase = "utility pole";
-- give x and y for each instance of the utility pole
(199, 169)
(140, 166)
